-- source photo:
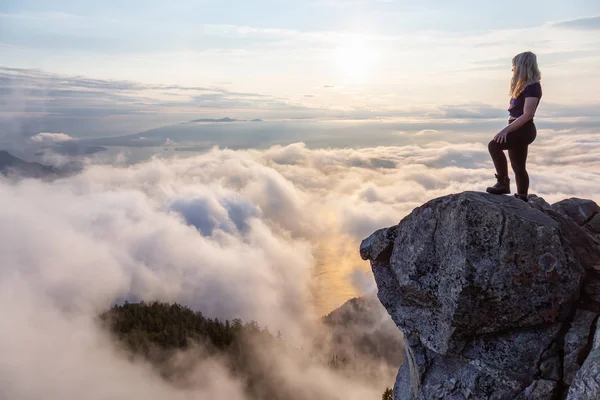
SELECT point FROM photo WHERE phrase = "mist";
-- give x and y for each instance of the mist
(267, 235)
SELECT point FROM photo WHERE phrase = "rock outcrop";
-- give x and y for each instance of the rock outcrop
(497, 298)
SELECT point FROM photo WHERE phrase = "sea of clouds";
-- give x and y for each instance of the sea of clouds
(267, 235)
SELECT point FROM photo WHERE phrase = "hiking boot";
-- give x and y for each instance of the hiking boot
(501, 187)
(522, 197)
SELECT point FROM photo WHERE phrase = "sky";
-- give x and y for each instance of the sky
(368, 109)
(138, 65)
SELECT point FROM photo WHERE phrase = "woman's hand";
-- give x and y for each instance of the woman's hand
(501, 136)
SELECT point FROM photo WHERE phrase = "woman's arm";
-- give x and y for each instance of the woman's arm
(528, 113)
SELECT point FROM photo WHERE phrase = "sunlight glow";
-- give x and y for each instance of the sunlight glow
(356, 59)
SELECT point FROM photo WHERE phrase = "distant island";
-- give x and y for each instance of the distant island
(226, 119)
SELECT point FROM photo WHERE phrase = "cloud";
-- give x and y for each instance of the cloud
(427, 132)
(49, 137)
(51, 15)
(586, 23)
(63, 342)
(472, 111)
(35, 101)
(223, 233)
(270, 235)
(209, 214)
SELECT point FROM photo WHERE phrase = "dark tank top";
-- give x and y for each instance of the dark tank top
(517, 105)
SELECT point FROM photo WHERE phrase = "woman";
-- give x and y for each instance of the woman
(525, 92)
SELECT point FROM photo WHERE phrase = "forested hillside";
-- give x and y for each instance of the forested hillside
(173, 338)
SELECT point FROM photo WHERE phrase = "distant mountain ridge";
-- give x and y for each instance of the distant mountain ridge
(15, 167)
(10, 164)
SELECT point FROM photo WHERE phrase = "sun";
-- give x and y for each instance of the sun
(355, 58)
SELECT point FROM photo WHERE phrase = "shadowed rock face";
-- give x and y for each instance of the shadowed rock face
(492, 294)
(587, 380)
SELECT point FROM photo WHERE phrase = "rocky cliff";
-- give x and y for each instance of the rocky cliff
(497, 298)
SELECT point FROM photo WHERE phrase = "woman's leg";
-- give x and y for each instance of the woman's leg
(502, 185)
(518, 160)
(517, 143)
(497, 152)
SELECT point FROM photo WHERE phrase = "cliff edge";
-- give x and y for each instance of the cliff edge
(497, 298)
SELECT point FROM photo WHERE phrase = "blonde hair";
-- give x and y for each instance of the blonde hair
(525, 72)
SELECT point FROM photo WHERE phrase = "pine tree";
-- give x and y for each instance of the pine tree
(388, 394)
